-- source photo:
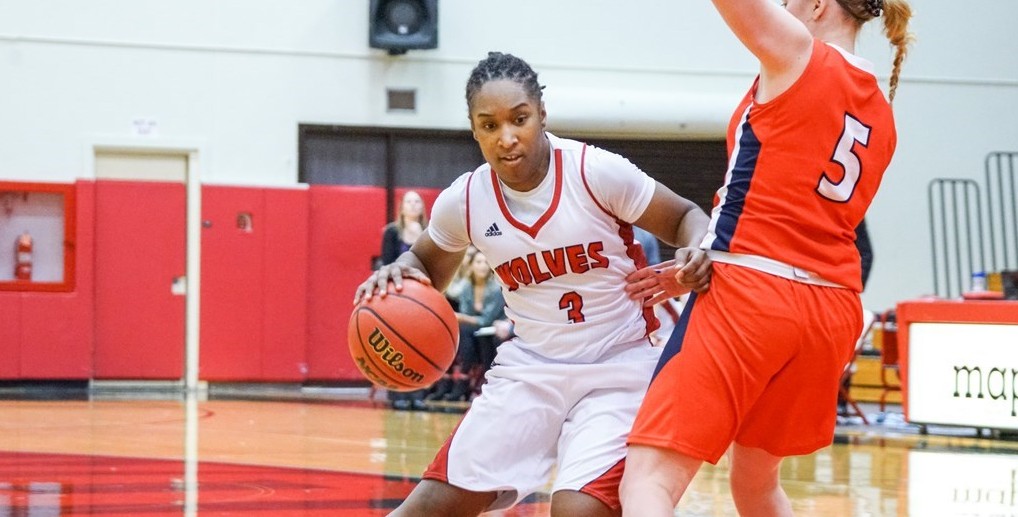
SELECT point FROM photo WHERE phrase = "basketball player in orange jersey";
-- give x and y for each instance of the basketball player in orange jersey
(762, 351)
(555, 219)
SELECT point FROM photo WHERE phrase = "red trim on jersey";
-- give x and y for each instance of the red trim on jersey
(639, 258)
(583, 176)
(628, 239)
(606, 487)
(532, 231)
(469, 179)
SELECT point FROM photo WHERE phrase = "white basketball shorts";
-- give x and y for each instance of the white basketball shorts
(533, 416)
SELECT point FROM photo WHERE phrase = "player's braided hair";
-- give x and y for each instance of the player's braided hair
(896, 14)
(503, 66)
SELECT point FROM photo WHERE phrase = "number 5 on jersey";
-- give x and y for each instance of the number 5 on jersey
(844, 155)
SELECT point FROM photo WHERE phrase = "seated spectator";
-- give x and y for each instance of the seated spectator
(452, 292)
(481, 304)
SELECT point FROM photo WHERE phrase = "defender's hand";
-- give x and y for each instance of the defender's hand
(689, 271)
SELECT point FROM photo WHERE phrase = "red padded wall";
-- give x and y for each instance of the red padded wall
(345, 232)
(58, 328)
(139, 249)
(284, 354)
(275, 302)
(254, 285)
(10, 334)
(232, 294)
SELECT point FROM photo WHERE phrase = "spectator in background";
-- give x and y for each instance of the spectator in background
(397, 237)
(458, 282)
(452, 293)
(481, 304)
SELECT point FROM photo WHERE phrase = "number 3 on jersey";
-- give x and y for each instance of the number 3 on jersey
(844, 154)
(572, 303)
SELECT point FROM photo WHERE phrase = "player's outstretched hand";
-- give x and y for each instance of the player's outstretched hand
(689, 271)
(388, 277)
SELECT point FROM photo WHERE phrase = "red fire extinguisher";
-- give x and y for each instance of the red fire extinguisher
(23, 257)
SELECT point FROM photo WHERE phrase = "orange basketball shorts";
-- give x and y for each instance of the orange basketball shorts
(757, 360)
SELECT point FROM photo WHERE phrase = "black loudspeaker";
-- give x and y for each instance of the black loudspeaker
(401, 25)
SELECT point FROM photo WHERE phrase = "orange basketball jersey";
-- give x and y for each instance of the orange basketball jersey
(804, 167)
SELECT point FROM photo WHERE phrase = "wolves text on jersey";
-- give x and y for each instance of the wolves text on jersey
(538, 267)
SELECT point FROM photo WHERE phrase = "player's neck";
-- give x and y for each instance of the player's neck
(841, 36)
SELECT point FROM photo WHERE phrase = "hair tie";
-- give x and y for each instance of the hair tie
(875, 7)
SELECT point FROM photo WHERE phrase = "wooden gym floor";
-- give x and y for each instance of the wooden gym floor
(294, 453)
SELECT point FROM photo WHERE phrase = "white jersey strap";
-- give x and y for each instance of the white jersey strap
(772, 267)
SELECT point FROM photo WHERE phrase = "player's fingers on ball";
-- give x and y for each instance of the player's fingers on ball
(382, 278)
(397, 280)
(365, 290)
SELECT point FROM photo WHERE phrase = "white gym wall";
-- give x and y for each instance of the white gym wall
(240, 75)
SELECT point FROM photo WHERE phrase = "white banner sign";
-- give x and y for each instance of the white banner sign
(963, 374)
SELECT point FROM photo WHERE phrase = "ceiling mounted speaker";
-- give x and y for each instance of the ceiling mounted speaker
(401, 25)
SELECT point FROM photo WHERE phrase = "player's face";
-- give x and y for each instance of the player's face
(509, 128)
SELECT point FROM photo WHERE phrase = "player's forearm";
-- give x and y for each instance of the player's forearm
(692, 228)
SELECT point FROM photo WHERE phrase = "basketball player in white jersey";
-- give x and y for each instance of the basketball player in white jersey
(555, 218)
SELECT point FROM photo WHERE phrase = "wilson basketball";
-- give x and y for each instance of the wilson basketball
(406, 340)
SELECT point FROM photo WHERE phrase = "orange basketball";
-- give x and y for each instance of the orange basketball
(406, 340)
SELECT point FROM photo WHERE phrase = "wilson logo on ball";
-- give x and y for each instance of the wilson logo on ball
(391, 356)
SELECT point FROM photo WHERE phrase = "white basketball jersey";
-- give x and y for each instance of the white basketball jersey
(563, 274)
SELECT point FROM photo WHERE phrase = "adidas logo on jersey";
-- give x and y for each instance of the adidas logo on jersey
(493, 231)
